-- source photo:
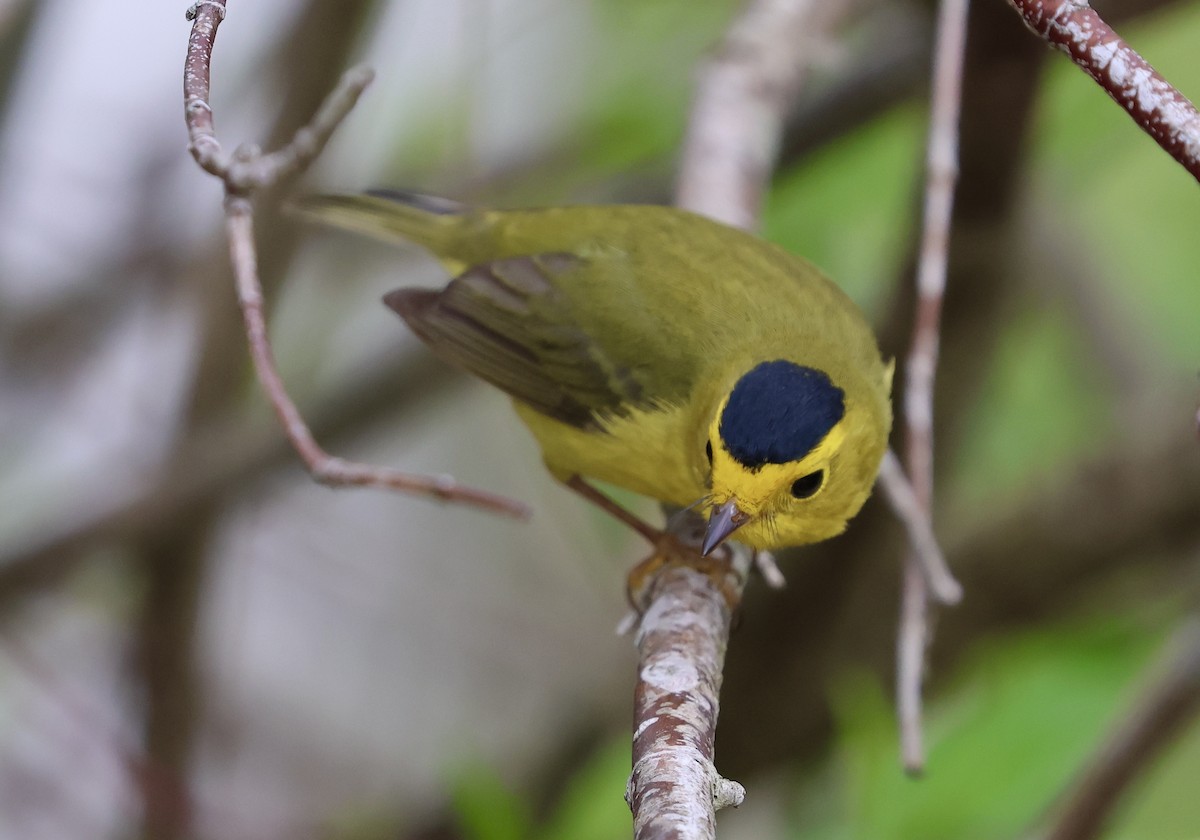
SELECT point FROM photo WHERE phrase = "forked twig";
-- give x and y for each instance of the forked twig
(941, 175)
(1150, 100)
(243, 174)
(922, 541)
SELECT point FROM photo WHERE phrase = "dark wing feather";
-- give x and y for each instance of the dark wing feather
(509, 323)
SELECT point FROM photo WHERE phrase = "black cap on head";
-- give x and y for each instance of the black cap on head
(778, 412)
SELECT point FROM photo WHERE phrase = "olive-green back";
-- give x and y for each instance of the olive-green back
(582, 310)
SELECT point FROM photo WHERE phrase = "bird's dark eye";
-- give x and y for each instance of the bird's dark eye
(708, 452)
(806, 486)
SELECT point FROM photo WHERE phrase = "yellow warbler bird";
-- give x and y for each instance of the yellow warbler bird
(656, 350)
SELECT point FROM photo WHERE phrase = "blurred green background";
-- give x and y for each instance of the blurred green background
(198, 642)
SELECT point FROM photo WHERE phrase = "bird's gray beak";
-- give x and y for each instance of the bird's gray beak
(722, 522)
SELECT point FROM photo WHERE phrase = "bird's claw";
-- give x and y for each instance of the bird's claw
(670, 552)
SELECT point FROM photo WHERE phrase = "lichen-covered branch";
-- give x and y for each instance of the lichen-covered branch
(1150, 100)
(674, 790)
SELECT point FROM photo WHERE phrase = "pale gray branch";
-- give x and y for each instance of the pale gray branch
(674, 789)
(941, 175)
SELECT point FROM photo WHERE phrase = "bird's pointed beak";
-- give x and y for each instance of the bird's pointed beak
(722, 522)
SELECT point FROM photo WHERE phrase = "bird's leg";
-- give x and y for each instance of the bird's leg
(580, 486)
(666, 546)
(668, 549)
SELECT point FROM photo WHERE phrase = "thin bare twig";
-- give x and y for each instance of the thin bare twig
(325, 468)
(941, 174)
(245, 172)
(1165, 709)
(206, 17)
(1150, 100)
(90, 721)
(923, 542)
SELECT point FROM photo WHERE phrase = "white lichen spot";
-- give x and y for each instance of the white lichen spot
(1142, 90)
(644, 725)
(1108, 55)
(672, 674)
(1077, 33)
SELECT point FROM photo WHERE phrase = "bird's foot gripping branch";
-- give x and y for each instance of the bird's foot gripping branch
(670, 551)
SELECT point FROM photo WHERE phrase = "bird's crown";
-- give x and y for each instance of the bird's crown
(777, 413)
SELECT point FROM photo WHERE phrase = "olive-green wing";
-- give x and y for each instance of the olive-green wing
(514, 323)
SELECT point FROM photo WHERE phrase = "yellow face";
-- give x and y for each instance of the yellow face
(793, 503)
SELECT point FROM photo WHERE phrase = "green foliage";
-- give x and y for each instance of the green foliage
(592, 806)
(1005, 740)
(633, 125)
(1040, 407)
(644, 87)
(1165, 806)
(487, 809)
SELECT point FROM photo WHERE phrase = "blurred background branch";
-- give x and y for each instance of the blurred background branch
(913, 634)
(1168, 705)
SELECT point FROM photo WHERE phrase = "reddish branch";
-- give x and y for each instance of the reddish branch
(1150, 100)
(245, 172)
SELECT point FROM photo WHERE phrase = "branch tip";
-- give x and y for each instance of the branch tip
(194, 10)
(923, 542)
(727, 793)
(359, 77)
(765, 562)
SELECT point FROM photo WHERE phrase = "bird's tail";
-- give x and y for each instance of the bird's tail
(391, 215)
